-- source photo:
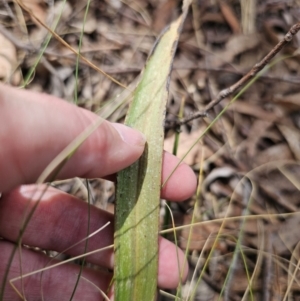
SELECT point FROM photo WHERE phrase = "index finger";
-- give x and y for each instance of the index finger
(39, 126)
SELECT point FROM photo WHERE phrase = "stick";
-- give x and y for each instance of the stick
(252, 73)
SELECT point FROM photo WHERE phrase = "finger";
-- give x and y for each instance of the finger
(61, 220)
(56, 284)
(181, 181)
(58, 222)
(38, 127)
(172, 265)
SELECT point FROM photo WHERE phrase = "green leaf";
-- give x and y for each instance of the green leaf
(138, 186)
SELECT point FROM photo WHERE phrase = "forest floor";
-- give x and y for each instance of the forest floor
(248, 200)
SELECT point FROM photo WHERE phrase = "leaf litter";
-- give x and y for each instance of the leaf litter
(257, 137)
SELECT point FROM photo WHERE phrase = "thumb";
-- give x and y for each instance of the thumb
(37, 127)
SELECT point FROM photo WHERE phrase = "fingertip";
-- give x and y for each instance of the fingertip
(180, 180)
(130, 136)
(173, 267)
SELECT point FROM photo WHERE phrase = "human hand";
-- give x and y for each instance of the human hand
(35, 128)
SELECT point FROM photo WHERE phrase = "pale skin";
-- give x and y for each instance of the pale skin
(34, 129)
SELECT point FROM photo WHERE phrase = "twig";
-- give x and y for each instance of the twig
(252, 73)
(287, 79)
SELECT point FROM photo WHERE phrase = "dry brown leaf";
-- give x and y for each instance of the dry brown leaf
(274, 153)
(250, 226)
(163, 15)
(236, 45)
(199, 235)
(257, 132)
(274, 193)
(90, 25)
(8, 62)
(38, 9)
(289, 102)
(257, 111)
(292, 136)
(287, 235)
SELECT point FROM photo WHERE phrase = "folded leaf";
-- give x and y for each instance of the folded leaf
(138, 186)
